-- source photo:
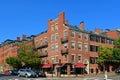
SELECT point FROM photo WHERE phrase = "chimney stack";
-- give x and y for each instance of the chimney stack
(18, 39)
(23, 37)
(97, 30)
(82, 25)
(107, 30)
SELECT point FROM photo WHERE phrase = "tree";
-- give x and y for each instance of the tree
(116, 52)
(14, 62)
(28, 56)
(105, 55)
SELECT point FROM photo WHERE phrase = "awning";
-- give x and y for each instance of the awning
(79, 65)
(46, 65)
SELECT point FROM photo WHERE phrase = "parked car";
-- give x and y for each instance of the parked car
(117, 71)
(26, 73)
(39, 73)
(11, 72)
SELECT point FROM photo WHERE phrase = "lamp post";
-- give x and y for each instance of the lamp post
(59, 67)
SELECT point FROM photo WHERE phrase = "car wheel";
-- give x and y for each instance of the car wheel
(18, 75)
(37, 75)
(26, 76)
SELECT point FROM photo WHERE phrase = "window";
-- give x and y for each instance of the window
(45, 40)
(40, 42)
(97, 39)
(85, 36)
(91, 70)
(79, 58)
(80, 35)
(73, 33)
(65, 45)
(56, 58)
(65, 57)
(92, 60)
(73, 58)
(65, 33)
(56, 36)
(52, 28)
(73, 45)
(85, 47)
(52, 37)
(52, 59)
(92, 48)
(52, 47)
(56, 47)
(80, 46)
(56, 26)
(108, 41)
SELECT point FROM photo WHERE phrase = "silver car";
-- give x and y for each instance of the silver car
(26, 73)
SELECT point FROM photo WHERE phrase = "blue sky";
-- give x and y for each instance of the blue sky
(29, 17)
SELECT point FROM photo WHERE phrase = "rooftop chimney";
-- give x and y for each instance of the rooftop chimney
(82, 25)
(18, 39)
(61, 18)
(23, 37)
(97, 30)
(107, 30)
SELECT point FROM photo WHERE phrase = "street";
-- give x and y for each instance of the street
(98, 77)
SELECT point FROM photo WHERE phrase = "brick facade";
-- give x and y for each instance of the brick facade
(66, 36)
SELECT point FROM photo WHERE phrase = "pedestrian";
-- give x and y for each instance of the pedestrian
(105, 75)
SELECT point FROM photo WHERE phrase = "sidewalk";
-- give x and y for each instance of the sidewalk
(81, 76)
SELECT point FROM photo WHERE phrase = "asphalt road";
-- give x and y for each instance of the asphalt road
(98, 77)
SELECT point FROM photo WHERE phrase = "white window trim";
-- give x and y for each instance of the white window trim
(84, 47)
(81, 46)
(66, 31)
(51, 47)
(55, 36)
(51, 37)
(55, 47)
(74, 57)
(64, 58)
(71, 45)
(81, 35)
(81, 58)
(55, 59)
(87, 37)
(74, 34)
(42, 41)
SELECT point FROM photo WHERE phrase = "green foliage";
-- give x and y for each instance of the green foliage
(117, 43)
(29, 57)
(105, 54)
(14, 62)
(116, 51)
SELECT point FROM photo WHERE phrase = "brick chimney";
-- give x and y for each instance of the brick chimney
(18, 39)
(107, 30)
(82, 25)
(97, 30)
(23, 37)
(61, 18)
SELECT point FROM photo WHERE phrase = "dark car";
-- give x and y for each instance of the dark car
(39, 73)
(117, 71)
(13, 72)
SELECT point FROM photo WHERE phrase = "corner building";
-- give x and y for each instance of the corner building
(68, 49)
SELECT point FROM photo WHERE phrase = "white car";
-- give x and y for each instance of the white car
(26, 73)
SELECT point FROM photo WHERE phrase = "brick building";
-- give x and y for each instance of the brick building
(68, 48)
(10, 48)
